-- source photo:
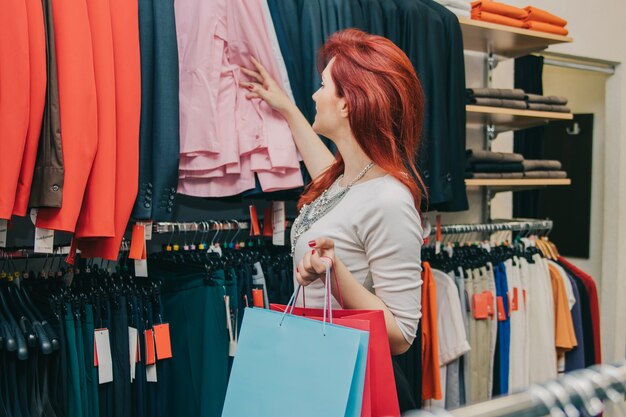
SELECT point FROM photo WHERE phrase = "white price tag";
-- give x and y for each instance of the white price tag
(278, 223)
(33, 215)
(44, 240)
(151, 373)
(232, 343)
(141, 268)
(133, 336)
(3, 233)
(103, 352)
(147, 229)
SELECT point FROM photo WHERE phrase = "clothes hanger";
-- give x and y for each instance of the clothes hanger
(16, 336)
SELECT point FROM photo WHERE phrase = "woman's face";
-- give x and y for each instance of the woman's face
(331, 110)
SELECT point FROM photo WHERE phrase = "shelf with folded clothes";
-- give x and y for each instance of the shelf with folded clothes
(499, 169)
(506, 119)
(505, 41)
(513, 109)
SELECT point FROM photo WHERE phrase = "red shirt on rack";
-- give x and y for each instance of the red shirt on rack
(594, 305)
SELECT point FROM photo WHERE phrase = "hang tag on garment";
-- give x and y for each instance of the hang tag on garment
(147, 228)
(501, 312)
(44, 240)
(138, 243)
(71, 255)
(254, 221)
(33, 215)
(151, 373)
(105, 361)
(150, 353)
(479, 305)
(232, 343)
(267, 222)
(257, 298)
(4, 225)
(132, 351)
(141, 267)
(278, 223)
(162, 341)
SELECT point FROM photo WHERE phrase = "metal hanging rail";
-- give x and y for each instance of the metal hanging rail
(586, 389)
(516, 225)
(203, 226)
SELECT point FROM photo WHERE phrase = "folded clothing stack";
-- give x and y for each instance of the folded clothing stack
(515, 99)
(543, 21)
(499, 165)
(500, 13)
(529, 17)
(547, 103)
(497, 97)
(460, 8)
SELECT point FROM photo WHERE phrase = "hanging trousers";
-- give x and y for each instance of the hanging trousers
(121, 359)
(198, 372)
(74, 401)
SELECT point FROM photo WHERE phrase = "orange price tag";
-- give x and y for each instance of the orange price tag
(163, 341)
(71, 256)
(480, 307)
(138, 243)
(257, 298)
(254, 222)
(150, 354)
(268, 229)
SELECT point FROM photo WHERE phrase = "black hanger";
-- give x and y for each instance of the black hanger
(15, 339)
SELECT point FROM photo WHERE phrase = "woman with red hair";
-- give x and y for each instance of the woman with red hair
(361, 209)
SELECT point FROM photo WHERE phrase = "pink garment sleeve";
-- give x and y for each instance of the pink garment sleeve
(247, 36)
(200, 52)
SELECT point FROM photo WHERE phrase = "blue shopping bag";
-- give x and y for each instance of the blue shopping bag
(291, 366)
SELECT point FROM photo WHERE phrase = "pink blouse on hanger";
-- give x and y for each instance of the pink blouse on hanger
(226, 138)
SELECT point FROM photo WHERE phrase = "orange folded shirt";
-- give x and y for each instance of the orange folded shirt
(539, 15)
(497, 18)
(500, 8)
(545, 27)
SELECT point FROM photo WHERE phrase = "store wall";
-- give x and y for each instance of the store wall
(585, 91)
(597, 31)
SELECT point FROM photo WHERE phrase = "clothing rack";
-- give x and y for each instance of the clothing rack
(589, 389)
(203, 226)
(515, 225)
(23, 253)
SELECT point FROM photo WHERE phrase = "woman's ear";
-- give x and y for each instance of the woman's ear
(343, 108)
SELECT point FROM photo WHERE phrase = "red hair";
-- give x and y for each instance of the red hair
(385, 104)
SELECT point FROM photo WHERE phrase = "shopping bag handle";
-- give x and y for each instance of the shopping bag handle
(328, 311)
(334, 276)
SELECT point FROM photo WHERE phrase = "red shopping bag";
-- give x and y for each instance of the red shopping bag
(382, 398)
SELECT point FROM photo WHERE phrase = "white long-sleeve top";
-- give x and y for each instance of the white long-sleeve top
(378, 236)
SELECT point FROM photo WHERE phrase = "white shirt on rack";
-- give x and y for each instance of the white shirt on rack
(378, 236)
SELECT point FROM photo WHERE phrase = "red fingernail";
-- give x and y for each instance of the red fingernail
(297, 270)
(313, 252)
(312, 244)
(250, 87)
